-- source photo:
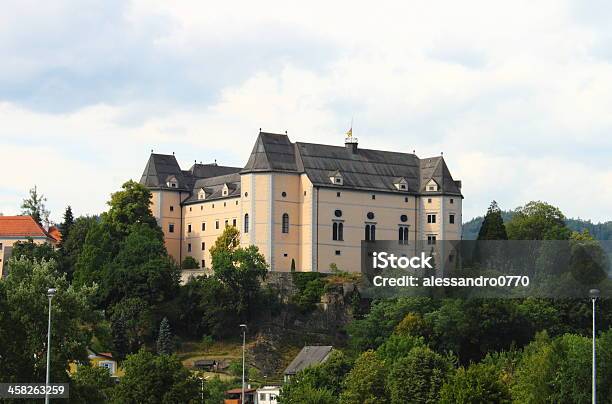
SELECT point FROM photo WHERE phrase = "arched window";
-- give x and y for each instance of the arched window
(373, 232)
(246, 222)
(285, 223)
(403, 235)
(338, 231)
(367, 232)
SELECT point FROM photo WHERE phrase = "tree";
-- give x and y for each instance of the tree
(91, 384)
(164, 339)
(479, 383)
(132, 322)
(559, 370)
(537, 221)
(305, 394)
(155, 379)
(34, 206)
(398, 346)
(67, 224)
(385, 315)
(121, 343)
(492, 227)
(238, 268)
(364, 384)
(23, 321)
(72, 244)
(131, 206)
(418, 376)
(323, 381)
(190, 263)
(33, 251)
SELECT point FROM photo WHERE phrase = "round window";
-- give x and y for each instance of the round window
(370, 215)
(404, 218)
(338, 213)
(246, 194)
(284, 194)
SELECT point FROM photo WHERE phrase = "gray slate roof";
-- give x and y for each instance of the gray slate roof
(309, 356)
(362, 169)
(161, 167)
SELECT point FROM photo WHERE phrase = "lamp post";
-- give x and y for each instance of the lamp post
(594, 293)
(202, 390)
(243, 327)
(50, 294)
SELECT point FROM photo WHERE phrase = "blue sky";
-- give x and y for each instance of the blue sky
(517, 94)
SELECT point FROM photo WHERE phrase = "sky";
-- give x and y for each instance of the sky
(517, 94)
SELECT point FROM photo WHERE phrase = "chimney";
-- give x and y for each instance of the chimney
(350, 143)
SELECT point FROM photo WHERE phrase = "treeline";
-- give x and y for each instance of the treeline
(599, 231)
(426, 350)
(118, 291)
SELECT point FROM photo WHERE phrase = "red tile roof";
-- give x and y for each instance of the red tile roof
(20, 226)
(55, 233)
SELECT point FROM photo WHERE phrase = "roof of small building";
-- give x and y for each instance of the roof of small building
(21, 226)
(55, 233)
(309, 356)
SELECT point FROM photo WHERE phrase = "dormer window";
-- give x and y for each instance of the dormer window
(225, 190)
(336, 178)
(401, 184)
(202, 194)
(171, 182)
(432, 186)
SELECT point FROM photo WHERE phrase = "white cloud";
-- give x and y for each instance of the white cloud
(515, 94)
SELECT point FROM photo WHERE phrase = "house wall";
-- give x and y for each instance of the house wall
(355, 205)
(311, 216)
(6, 245)
(161, 204)
(209, 213)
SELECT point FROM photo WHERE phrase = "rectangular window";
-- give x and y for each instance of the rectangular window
(171, 228)
(0, 246)
(338, 252)
(406, 199)
(217, 224)
(189, 247)
(431, 239)
(452, 201)
(203, 226)
(428, 200)
(203, 246)
(431, 218)
(373, 196)
(338, 194)
(226, 222)
(203, 264)
(234, 222)
(189, 228)
(171, 208)
(451, 219)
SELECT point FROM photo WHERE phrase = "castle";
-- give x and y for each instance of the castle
(305, 206)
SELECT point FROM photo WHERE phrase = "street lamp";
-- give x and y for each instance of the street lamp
(50, 294)
(243, 327)
(594, 293)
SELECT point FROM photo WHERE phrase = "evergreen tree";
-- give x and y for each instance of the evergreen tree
(67, 224)
(164, 340)
(493, 225)
(34, 206)
(120, 340)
